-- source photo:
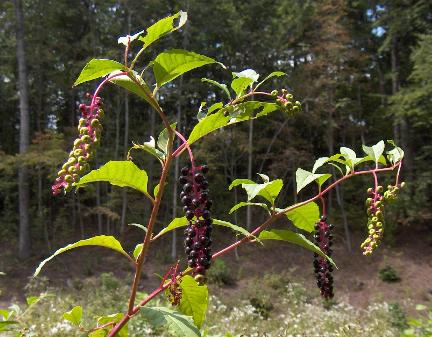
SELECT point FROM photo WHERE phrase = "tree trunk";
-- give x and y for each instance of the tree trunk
(23, 187)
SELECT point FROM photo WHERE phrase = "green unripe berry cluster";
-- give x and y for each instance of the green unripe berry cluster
(286, 102)
(375, 224)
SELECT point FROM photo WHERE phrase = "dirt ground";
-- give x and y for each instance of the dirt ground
(356, 280)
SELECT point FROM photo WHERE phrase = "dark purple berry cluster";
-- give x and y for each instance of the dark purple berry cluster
(196, 204)
(90, 129)
(323, 268)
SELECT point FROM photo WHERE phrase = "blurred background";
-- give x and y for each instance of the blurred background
(363, 72)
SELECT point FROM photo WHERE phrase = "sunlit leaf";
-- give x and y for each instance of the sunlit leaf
(162, 141)
(74, 316)
(137, 86)
(137, 251)
(375, 152)
(243, 204)
(304, 178)
(194, 300)
(219, 85)
(149, 147)
(101, 240)
(305, 217)
(97, 68)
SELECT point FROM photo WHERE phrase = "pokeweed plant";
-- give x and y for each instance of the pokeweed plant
(186, 289)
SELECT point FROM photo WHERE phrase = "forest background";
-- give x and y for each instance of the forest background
(362, 70)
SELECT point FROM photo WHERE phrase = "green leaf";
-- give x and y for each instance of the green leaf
(175, 223)
(176, 323)
(138, 86)
(319, 162)
(219, 85)
(163, 27)
(194, 300)
(97, 68)
(239, 85)
(119, 173)
(289, 236)
(207, 125)
(305, 217)
(396, 154)
(156, 190)
(375, 152)
(304, 178)
(243, 204)
(5, 314)
(74, 315)
(247, 73)
(137, 251)
(4, 325)
(170, 64)
(350, 158)
(273, 74)
(32, 300)
(98, 333)
(163, 138)
(114, 318)
(235, 228)
(149, 147)
(101, 240)
(238, 182)
(214, 107)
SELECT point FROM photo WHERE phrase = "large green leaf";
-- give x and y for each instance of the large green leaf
(149, 147)
(101, 240)
(97, 68)
(305, 217)
(194, 300)
(396, 154)
(271, 75)
(304, 178)
(120, 173)
(175, 223)
(239, 85)
(289, 236)
(235, 228)
(219, 85)
(375, 151)
(163, 27)
(137, 86)
(243, 204)
(170, 64)
(208, 124)
(176, 323)
(74, 315)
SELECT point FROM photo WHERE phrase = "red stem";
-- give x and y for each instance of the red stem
(100, 86)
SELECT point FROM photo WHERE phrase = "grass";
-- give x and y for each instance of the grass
(270, 306)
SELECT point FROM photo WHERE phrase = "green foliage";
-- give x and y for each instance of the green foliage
(388, 274)
(173, 63)
(74, 315)
(220, 273)
(119, 173)
(420, 327)
(176, 323)
(295, 238)
(262, 303)
(305, 217)
(97, 68)
(101, 240)
(194, 300)
(304, 178)
(269, 190)
(398, 317)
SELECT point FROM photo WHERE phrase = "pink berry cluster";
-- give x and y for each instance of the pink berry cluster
(322, 267)
(89, 129)
(375, 209)
(195, 198)
(285, 101)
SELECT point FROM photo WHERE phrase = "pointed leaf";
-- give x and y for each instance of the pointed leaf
(243, 204)
(396, 154)
(219, 85)
(238, 182)
(235, 228)
(207, 125)
(163, 138)
(125, 40)
(273, 74)
(149, 147)
(176, 323)
(138, 86)
(305, 217)
(137, 251)
(375, 151)
(298, 239)
(175, 223)
(101, 240)
(194, 300)
(163, 27)
(247, 73)
(319, 162)
(119, 173)
(304, 178)
(74, 316)
(214, 107)
(138, 226)
(97, 68)
(240, 84)
(170, 64)
(113, 318)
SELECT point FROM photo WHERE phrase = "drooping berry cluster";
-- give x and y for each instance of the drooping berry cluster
(323, 268)
(285, 101)
(195, 198)
(392, 192)
(375, 208)
(90, 129)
